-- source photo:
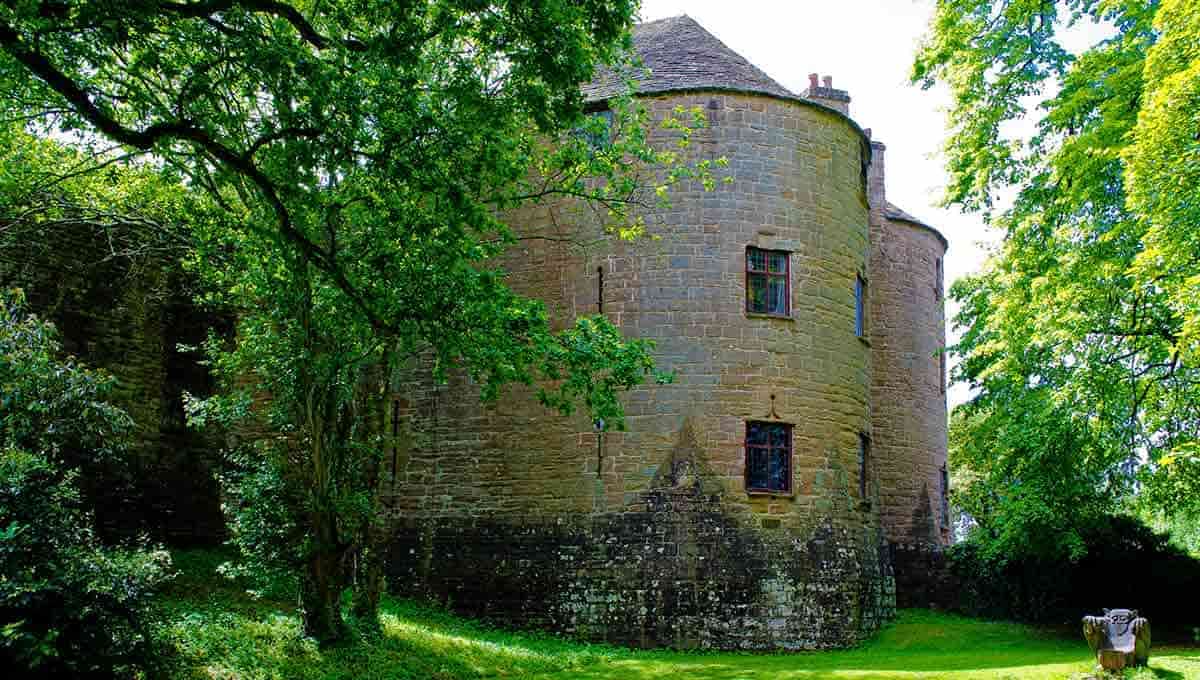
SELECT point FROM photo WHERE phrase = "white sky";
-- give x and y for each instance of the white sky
(867, 46)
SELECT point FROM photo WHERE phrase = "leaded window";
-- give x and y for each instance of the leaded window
(768, 457)
(768, 288)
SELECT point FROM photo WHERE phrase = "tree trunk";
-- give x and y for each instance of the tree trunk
(321, 587)
(369, 586)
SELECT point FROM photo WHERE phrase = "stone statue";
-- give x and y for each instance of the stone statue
(1119, 638)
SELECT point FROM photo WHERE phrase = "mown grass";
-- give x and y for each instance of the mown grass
(218, 631)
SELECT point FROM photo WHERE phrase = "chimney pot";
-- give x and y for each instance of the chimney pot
(826, 95)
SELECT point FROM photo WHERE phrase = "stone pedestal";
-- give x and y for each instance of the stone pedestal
(1112, 660)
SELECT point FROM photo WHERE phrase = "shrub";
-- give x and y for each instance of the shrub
(1124, 564)
(51, 404)
(258, 511)
(69, 605)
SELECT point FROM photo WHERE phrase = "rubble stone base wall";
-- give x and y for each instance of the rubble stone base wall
(673, 570)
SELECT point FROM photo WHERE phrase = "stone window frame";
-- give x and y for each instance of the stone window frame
(788, 457)
(786, 275)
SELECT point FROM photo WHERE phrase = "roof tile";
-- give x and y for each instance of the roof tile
(681, 55)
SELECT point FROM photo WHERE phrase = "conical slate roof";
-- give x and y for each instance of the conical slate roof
(893, 212)
(681, 55)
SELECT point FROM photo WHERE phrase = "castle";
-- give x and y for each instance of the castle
(772, 496)
(787, 490)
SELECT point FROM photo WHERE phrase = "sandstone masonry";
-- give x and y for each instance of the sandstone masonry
(650, 537)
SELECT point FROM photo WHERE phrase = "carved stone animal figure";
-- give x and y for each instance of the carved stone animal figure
(1119, 638)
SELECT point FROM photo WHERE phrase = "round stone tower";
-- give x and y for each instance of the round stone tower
(741, 508)
(908, 389)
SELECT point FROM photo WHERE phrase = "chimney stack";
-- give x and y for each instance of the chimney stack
(876, 179)
(823, 93)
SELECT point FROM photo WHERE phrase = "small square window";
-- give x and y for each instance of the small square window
(598, 130)
(768, 282)
(768, 457)
(860, 306)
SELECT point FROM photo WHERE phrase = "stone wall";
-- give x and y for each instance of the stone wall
(908, 395)
(648, 537)
(128, 318)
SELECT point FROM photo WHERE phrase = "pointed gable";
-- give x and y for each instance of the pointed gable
(681, 55)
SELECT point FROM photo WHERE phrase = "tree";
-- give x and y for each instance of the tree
(1163, 174)
(1076, 342)
(357, 158)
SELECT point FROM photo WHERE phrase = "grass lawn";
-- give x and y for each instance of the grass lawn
(220, 632)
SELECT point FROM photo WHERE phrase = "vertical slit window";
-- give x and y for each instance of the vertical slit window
(860, 306)
(768, 282)
(768, 457)
(945, 497)
(939, 275)
(942, 370)
(864, 463)
(395, 437)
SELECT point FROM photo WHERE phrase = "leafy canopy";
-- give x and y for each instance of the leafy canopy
(1077, 337)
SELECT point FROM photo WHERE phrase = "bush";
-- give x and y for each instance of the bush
(69, 605)
(262, 527)
(1124, 564)
(51, 404)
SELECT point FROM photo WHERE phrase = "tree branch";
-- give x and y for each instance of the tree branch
(184, 130)
(204, 10)
(285, 133)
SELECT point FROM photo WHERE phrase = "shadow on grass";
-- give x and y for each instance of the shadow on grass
(420, 642)
(215, 629)
(217, 644)
(218, 631)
